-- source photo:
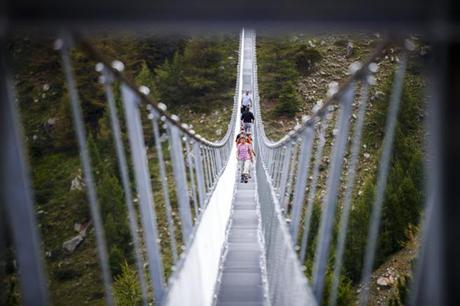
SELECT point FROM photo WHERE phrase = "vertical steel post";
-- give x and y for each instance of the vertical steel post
(312, 188)
(303, 169)
(16, 193)
(208, 167)
(330, 201)
(124, 174)
(199, 173)
(87, 171)
(382, 176)
(351, 175)
(205, 168)
(285, 173)
(181, 181)
(164, 184)
(144, 189)
(436, 277)
(285, 201)
(192, 176)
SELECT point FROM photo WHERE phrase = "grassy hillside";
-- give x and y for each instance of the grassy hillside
(200, 93)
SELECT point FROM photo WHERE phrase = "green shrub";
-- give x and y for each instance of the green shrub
(345, 294)
(288, 100)
(282, 62)
(113, 210)
(403, 197)
(306, 58)
(357, 231)
(126, 287)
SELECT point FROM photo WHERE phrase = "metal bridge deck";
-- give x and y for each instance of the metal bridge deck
(241, 281)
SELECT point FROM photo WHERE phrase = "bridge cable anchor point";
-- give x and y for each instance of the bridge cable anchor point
(118, 65)
(373, 67)
(355, 67)
(99, 67)
(371, 80)
(58, 44)
(144, 89)
(175, 118)
(162, 106)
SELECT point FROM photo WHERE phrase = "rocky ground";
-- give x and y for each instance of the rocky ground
(338, 52)
(395, 271)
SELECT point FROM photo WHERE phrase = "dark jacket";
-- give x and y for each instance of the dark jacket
(247, 117)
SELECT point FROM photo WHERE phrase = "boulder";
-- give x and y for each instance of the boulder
(349, 49)
(383, 281)
(77, 183)
(71, 245)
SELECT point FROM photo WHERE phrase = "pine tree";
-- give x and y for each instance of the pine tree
(126, 288)
(357, 232)
(288, 100)
(63, 134)
(146, 78)
(170, 81)
(113, 210)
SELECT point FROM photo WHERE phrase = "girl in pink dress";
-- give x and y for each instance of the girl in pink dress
(244, 155)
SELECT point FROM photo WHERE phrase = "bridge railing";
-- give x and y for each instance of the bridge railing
(169, 183)
(287, 284)
(292, 166)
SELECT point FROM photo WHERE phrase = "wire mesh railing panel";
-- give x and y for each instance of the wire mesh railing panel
(317, 201)
(283, 268)
(147, 181)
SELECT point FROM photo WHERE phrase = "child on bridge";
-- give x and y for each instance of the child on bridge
(244, 156)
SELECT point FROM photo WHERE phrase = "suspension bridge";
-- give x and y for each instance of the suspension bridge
(244, 244)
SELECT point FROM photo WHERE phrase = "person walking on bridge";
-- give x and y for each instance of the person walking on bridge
(247, 118)
(253, 153)
(241, 134)
(246, 101)
(244, 156)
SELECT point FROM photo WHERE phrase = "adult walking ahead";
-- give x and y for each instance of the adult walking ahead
(246, 102)
(247, 119)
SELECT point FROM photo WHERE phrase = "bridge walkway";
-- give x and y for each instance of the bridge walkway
(243, 268)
